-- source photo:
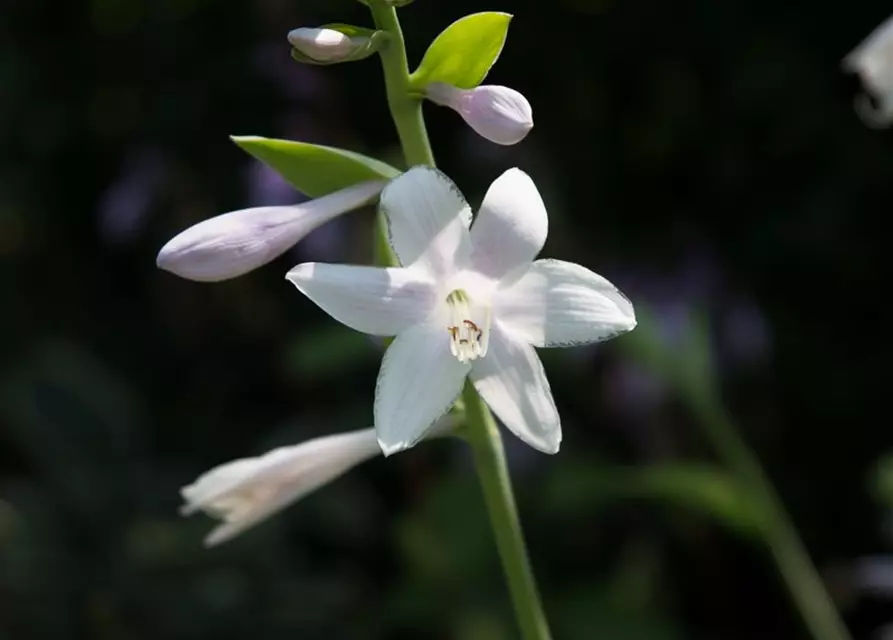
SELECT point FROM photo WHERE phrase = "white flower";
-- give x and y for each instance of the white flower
(324, 45)
(467, 303)
(235, 243)
(245, 491)
(873, 61)
(499, 114)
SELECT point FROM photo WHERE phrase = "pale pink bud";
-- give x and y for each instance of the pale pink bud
(499, 114)
(324, 45)
(235, 243)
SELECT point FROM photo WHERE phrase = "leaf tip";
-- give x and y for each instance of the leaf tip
(241, 139)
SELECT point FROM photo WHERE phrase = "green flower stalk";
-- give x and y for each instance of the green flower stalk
(489, 456)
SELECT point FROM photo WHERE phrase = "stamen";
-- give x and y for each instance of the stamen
(468, 341)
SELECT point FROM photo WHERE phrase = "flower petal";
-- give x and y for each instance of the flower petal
(232, 244)
(418, 383)
(510, 378)
(558, 304)
(511, 226)
(427, 220)
(373, 300)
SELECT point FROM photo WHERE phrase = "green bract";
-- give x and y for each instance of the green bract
(313, 169)
(367, 42)
(463, 52)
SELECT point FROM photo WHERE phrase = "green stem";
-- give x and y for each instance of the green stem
(406, 109)
(489, 461)
(803, 582)
(482, 433)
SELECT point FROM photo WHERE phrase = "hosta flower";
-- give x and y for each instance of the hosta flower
(467, 302)
(499, 114)
(245, 491)
(873, 61)
(235, 243)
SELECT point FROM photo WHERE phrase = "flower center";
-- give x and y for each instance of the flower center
(468, 339)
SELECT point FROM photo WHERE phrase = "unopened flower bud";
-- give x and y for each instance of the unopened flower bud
(500, 114)
(246, 491)
(235, 243)
(325, 45)
(873, 62)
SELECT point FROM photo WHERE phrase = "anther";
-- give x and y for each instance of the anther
(466, 337)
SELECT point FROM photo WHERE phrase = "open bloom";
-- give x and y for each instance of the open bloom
(499, 114)
(235, 243)
(245, 491)
(467, 302)
(873, 61)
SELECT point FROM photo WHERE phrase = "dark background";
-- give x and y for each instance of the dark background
(703, 155)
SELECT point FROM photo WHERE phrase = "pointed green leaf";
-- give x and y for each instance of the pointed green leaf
(313, 169)
(464, 52)
(705, 489)
(883, 480)
(698, 487)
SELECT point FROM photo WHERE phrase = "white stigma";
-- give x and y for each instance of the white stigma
(468, 339)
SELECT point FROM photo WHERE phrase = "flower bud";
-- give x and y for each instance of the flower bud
(500, 114)
(245, 491)
(325, 45)
(235, 243)
(872, 60)
(248, 490)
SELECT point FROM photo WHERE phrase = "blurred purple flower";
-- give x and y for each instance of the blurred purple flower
(745, 334)
(633, 390)
(298, 82)
(125, 204)
(267, 188)
(740, 333)
(874, 574)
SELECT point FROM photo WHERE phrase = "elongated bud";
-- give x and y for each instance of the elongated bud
(244, 492)
(873, 61)
(235, 243)
(500, 114)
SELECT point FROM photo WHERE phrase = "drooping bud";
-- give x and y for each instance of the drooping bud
(872, 60)
(500, 114)
(246, 491)
(333, 43)
(235, 243)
